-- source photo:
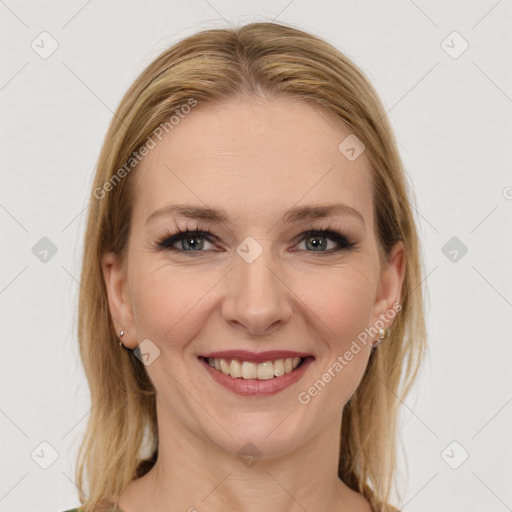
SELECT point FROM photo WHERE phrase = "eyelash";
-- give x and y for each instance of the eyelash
(167, 242)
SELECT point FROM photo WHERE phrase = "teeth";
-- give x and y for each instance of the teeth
(235, 369)
(224, 366)
(266, 370)
(279, 368)
(249, 370)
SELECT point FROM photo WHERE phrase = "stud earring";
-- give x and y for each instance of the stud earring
(382, 336)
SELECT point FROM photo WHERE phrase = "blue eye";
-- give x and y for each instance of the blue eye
(185, 237)
(318, 234)
(194, 241)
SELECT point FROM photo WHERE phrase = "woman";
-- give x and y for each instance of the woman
(250, 242)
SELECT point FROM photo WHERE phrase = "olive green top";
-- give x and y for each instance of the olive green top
(79, 509)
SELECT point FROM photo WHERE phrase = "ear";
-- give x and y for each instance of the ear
(390, 284)
(118, 300)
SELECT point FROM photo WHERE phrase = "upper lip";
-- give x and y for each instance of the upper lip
(255, 357)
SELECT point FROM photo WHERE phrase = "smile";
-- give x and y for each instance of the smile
(249, 370)
(250, 378)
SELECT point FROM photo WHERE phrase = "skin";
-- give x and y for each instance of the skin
(254, 158)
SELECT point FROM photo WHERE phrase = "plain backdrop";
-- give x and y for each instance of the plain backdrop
(451, 109)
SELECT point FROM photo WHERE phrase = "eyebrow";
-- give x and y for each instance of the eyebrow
(293, 215)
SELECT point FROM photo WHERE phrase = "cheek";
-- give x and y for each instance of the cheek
(342, 308)
(346, 309)
(167, 301)
(342, 298)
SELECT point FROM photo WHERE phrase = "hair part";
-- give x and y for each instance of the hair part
(266, 60)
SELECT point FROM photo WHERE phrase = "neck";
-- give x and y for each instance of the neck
(194, 474)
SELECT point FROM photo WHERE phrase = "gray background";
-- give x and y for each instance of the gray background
(452, 118)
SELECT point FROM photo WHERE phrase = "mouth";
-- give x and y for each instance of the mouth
(246, 375)
(249, 370)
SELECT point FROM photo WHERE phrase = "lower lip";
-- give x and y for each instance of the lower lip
(255, 387)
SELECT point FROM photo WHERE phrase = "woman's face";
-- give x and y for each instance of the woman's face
(257, 282)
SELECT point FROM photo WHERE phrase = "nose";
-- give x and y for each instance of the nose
(257, 298)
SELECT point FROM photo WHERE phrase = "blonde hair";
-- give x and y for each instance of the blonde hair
(213, 66)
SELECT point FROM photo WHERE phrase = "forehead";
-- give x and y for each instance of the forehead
(253, 156)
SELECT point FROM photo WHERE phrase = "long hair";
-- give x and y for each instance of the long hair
(211, 67)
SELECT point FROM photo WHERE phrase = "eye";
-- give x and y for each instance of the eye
(316, 240)
(186, 241)
(193, 241)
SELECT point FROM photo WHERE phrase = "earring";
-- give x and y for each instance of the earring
(382, 336)
(121, 334)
